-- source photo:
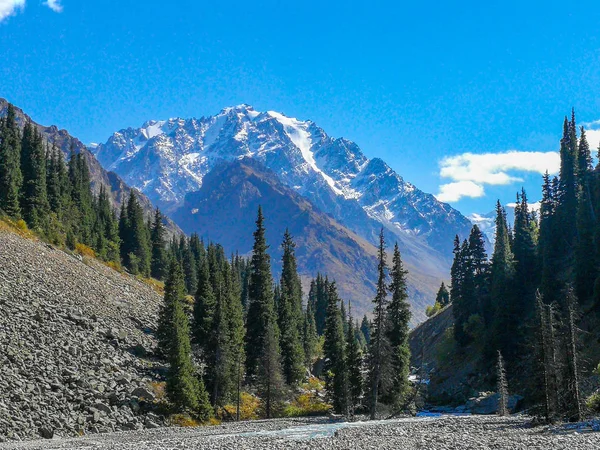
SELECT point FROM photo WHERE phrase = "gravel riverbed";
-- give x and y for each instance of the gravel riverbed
(447, 432)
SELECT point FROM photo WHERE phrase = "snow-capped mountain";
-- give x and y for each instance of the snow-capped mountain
(168, 159)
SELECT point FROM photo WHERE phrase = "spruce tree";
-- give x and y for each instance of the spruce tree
(397, 329)
(502, 386)
(34, 199)
(336, 375)
(309, 336)
(379, 346)
(526, 278)
(365, 328)
(189, 266)
(136, 237)
(290, 315)
(354, 363)
(586, 255)
(502, 299)
(263, 358)
(10, 164)
(443, 296)
(158, 259)
(185, 391)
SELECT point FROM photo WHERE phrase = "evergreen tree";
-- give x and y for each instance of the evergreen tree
(158, 261)
(184, 390)
(290, 315)
(379, 346)
(586, 254)
(263, 357)
(10, 164)
(336, 376)
(443, 296)
(321, 302)
(526, 279)
(81, 198)
(398, 318)
(567, 192)
(136, 237)
(309, 336)
(365, 328)
(354, 362)
(189, 266)
(502, 299)
(34, 199)
(502, 387)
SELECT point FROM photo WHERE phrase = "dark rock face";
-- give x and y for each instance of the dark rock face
(66, 330)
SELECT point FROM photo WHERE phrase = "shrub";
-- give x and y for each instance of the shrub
(306, 404)
(183, 420)
(431, 311)
(84, 250)
(474, 327)
(593, 402)
(249, 408)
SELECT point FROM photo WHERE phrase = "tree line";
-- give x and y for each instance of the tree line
(540, 287)
(248, 332)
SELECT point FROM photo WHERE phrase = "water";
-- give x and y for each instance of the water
(328, 429)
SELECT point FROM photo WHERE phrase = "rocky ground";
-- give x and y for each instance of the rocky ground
(470, 432)
(75, 348)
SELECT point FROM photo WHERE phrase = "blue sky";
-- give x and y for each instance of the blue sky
(419, 84)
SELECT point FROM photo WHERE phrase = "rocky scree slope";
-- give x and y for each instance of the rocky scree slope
(74, 345)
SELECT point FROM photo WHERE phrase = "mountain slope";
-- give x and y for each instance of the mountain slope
(99, 176)
(168, 159)
(224, 210)
(74, 339)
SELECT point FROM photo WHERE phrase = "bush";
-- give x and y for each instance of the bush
(249, 408)
(593, 402)
(474, 327)
(431, 311)
(306, 404)
(183, 420)
(84, 250)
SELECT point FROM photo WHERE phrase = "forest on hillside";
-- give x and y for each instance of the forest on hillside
(536, 300)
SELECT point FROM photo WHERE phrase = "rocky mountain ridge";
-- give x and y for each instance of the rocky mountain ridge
(168, 159)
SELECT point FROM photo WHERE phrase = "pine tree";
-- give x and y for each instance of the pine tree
(290, 315)
(263, 357)
(443, 295)
(34, 199)
(321, 291)
(502, 386)
(379, 346)
(158, 259)
(397, 330)
(502, 299)
(354, 362)
(336, 375)
(526, 278)
(136, 238)
(365, 328)
(309, 336)
(189, 266)
(567, 192)
(184, 390)
(586, 255)
(10, 164)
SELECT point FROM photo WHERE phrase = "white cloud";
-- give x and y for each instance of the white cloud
(10, 7)
(54, 5)
(470, 172)
(453, 192)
